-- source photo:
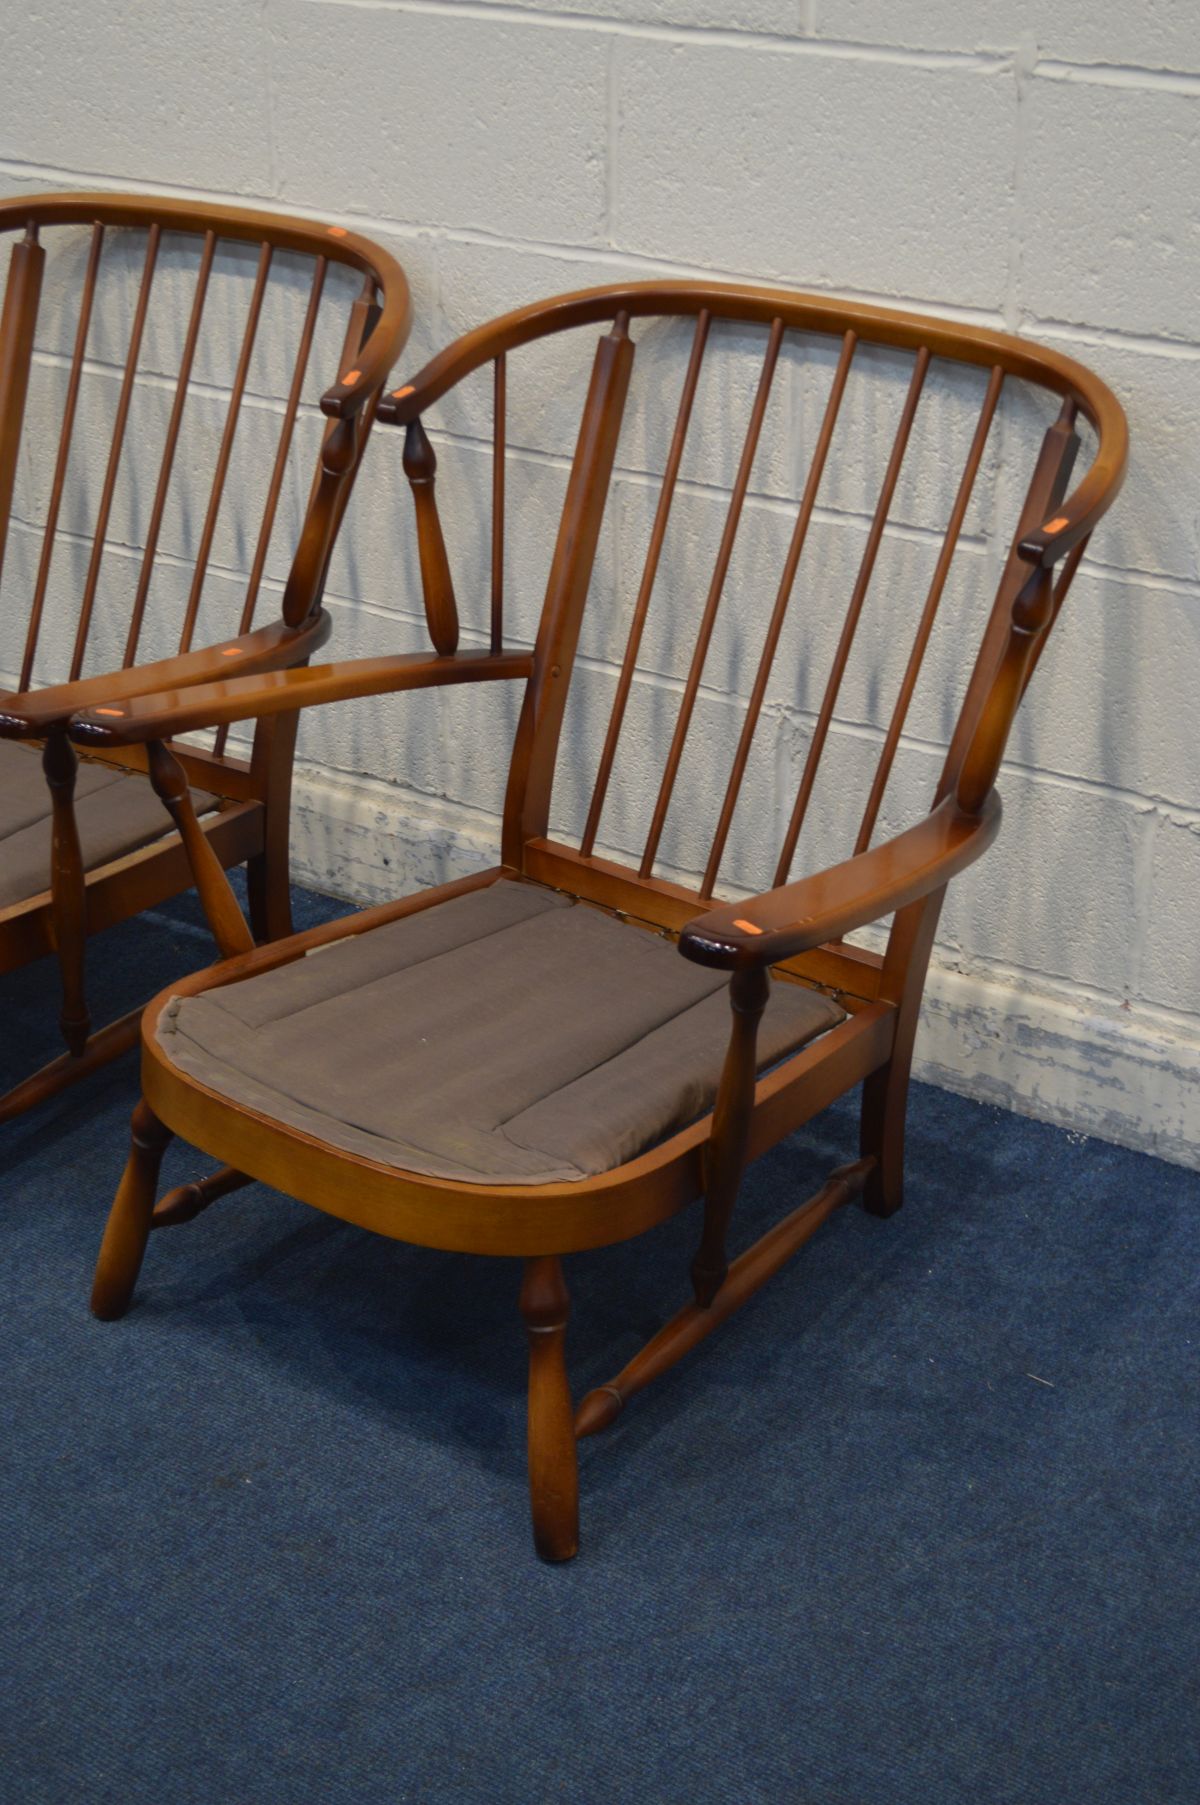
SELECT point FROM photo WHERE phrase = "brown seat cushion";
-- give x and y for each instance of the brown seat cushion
(116, 814)
(506, 1036)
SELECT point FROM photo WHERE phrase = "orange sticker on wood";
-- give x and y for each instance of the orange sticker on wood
(116, 711)
(231, 652)
(337, 231)
(352, 376)
(1055, 526)
(747, 926)
(399, 394)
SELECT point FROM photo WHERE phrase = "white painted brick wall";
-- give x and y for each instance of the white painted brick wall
(1035, 166)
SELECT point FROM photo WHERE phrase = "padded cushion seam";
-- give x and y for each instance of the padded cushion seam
(288, 1015)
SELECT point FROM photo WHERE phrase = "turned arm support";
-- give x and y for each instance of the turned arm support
(271, 648)
(162, 717)
(780, 923)
(747, 938)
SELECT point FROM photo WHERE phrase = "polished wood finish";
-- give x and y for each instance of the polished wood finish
(499, 453)
(531, 777)
(441, 609)
(186, 1202)
(793, 932)
(649, 573)
(553, 1465)
(725, 1155)
(220, 904)
(252, 822)
(128, 1226)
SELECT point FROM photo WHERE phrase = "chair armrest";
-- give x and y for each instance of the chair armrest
(780, 923)
(269, 648)
(161, 717)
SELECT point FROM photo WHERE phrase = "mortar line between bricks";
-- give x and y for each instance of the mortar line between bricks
(613, 129)
(1165, 581)
(1096, 338)
(718, 36)
(658, 680)
(1142, 885)
(269, 55)
(463, 817)
(1188, 587)
(161, 379)
(1023, 65)
(867, 731)
(641, 262)
(1120, 75)
(1032, 323)
(769, 502)
(1057, 987)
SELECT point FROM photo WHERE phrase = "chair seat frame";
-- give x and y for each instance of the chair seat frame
(796, 930)
(250, 823)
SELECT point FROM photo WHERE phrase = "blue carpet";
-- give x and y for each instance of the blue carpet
(918, 1526)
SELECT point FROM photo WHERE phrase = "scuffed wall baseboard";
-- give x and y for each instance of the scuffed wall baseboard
(1124, 1075)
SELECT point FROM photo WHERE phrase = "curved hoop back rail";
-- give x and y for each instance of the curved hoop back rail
(175, 380)
(795, 589)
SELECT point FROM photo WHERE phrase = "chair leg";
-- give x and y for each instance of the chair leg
(553, 1464)
(128, 1227)
(881, 1136)
(268, 893)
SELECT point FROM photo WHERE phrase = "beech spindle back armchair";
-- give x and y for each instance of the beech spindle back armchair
(137, 334)
(560, 1052)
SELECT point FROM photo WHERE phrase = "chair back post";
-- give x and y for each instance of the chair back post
(341, 454)
(531, 774)
(1047, 487)
(68, 899)
(17, 325)
(365, 313)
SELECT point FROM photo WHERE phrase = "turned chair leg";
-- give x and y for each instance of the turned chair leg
(128, 1227)
(553, 1465)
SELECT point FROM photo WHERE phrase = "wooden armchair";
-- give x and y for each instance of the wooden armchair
(82, 847)
(522, 1062)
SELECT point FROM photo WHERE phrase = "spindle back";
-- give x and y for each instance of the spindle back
(163, 460)
(790, 529)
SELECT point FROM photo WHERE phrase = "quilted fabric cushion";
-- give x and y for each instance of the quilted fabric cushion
(508, 1035)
